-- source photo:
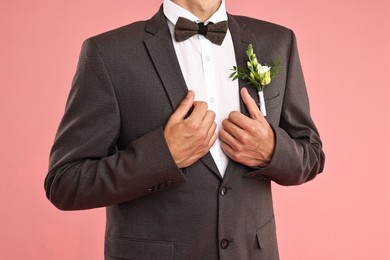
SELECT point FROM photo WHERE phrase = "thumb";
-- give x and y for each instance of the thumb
(251, 105)
(184, 107)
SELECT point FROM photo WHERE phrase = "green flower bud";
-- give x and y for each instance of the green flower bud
(255, 62)
(252, 75)
(250, 50)
(265, 78)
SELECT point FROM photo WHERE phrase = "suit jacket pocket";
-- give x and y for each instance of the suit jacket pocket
(272, 102)
(266, 240)
(124, 248)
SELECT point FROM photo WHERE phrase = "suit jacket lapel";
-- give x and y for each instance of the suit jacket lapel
(163, 55)
(241, 38)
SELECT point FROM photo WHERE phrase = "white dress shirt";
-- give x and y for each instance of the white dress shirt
(206, 68)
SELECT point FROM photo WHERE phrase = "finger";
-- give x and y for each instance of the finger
(233, 128)
(228, 150)
(211, 131)
(208, 119)
(199, 112)
(228, 139)
(212, 140)
(251, 105)
(237, 156)
(240, 120)
(184, 107)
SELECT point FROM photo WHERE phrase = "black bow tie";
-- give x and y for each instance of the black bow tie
(185, 29)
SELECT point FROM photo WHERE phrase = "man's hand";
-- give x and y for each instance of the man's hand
(249, 141)
(190, 138)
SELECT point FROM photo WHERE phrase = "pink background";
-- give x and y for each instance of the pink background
(344, 47)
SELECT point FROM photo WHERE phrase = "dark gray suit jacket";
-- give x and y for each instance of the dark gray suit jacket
(110, 149)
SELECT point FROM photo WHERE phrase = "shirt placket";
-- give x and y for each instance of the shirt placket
(211, 84)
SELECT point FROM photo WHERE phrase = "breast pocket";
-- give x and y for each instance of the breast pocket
(123, 248)
(272, 102)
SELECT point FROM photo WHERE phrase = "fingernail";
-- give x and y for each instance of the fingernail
(190, 93)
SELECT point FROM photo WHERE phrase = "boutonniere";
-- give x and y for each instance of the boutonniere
(256, 74)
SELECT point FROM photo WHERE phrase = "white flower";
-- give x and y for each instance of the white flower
(262, 69)
(265, 74)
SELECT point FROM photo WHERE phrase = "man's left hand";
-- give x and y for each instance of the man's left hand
(249, 141)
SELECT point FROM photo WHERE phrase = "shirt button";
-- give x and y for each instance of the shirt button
(224, 243)
(212, 100)
(208, 58)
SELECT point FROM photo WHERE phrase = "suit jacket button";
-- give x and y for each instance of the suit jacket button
(169, 183)
(224, 243)
(223, 191)
(162, 185)
(150, 190)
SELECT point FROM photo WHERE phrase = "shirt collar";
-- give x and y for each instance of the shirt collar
(173, 11)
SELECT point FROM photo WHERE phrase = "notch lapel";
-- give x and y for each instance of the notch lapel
(163, 56)
(241, 36)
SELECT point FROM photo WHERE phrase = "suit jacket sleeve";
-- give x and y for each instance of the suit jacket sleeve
(298, 155)
(86, 169)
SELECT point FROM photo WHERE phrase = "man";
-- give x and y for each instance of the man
(152, 132)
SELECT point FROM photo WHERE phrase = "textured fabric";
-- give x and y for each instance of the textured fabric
(206, 68)
(185, 29)
(110, 149)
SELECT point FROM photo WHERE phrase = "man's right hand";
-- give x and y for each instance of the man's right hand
(190, 138)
